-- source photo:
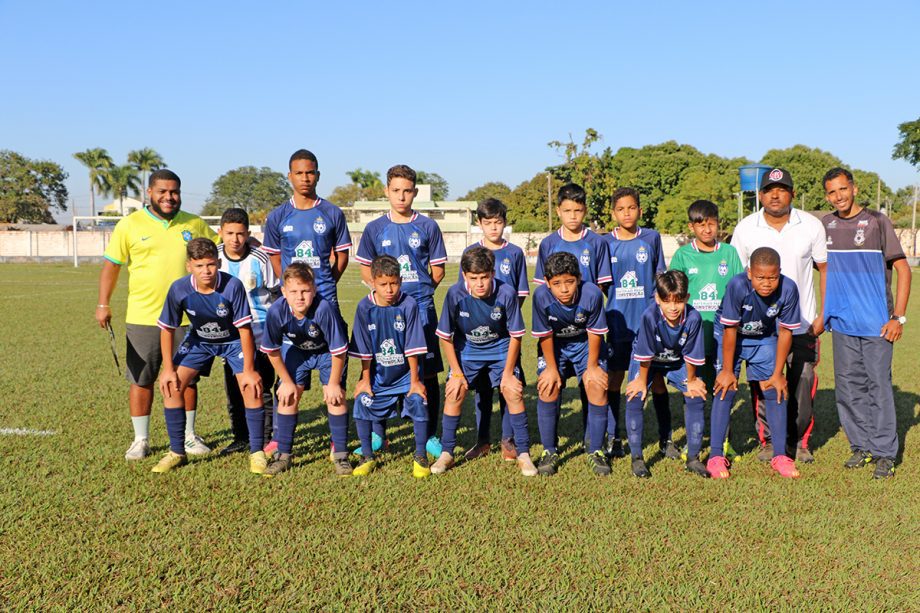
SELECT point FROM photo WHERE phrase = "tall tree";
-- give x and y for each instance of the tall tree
(908, 147)
(122, 181)
(248, 188)
(97, 161)
(592, 171)
(492, 189)
(30, 189)
(366, 179)
(145, 160)
(439, 186)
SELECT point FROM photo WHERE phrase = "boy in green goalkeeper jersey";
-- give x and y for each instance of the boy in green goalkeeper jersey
(708, 264)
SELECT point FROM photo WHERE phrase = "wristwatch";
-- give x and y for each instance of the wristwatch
(901, 319)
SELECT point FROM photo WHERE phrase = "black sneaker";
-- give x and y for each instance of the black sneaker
(597, 461)
(234, 447)
(803, 455)
(614, 447)
(884, 468)
(281, 464)
(858, 459)
(697, 468)
(547, 464)
(766, 453)
(669, 449)
(639, 468)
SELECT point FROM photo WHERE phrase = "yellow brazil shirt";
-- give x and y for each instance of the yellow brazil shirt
(154, 251)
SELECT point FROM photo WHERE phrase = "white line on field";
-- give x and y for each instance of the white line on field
(25, 432)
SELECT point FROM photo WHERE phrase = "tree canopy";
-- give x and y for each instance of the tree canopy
(30, 189)
(439, 187)
(248, 188)
(908, 146)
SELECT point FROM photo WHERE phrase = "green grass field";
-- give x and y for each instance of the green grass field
(80, 528)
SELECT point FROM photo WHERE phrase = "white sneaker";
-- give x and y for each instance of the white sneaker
(445, 462)
(526, 465)
(138, 450)
(194, 445)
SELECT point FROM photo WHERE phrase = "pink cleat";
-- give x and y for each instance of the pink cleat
(784, 466)
(718, 467)
(270, 449)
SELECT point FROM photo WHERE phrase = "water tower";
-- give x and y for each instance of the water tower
(751, 176)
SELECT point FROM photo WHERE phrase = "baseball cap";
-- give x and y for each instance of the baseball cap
(776, 176)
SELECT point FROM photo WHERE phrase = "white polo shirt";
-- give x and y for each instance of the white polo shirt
(801, 243)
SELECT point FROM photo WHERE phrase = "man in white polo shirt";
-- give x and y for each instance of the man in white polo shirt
(800, 240)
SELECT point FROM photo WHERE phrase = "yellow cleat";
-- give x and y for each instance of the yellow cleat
(170, 461)
(420, 468)
(364, 468)
(258, 462)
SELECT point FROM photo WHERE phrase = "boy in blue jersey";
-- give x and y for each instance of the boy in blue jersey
(568, 321)
(253, 268)
(669, 344)
(415, 242)
(305, 332)
(218, 312)
(636, 257)
(389, 340)
(308, 229)
(481, 329)
(754, 325)
(510, 269)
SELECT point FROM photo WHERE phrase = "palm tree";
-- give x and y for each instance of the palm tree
(122, 180)
(145, 160)
(98, 161)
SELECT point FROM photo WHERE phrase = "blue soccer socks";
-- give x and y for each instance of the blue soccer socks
(776, 419)
(255, 421)
(718, 429)
(597, 426)
(635, 424)
(175, 427)
(547, 422)
(693, 419)
(285, 433)
(338, 428)
(449, 425)
(420, 428)
(519, 431)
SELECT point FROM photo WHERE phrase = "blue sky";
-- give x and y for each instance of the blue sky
(472, 91)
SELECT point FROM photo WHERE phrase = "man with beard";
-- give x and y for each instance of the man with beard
(152, 243)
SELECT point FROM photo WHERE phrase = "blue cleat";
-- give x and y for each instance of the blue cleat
(376, 444)
(433, 447)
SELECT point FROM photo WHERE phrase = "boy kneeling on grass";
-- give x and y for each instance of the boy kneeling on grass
(669, 344)
(388, 338)
(480, 330)
(304, 332)
(219, 317)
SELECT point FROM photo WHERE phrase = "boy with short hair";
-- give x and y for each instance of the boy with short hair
(669, 344)
(253, 268)
(568, 321)
(481, 329)
(415, 242)
(389, 339)
(754, 325)
(218, 312)
(708, 264)
(636, 257)
(511, 269)
(304, 332)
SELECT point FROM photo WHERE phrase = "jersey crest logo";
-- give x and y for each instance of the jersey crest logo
(414, 240)
(773, 311)
(319, 225)
(723, 268)
(366, 400)
(398, 324)
(505, 267)
(683, 339)
(222, 310)
(642, 255)
(496, 314)
(313, 331)
(585, 258)
(580, 317)
(183, 348)
(541, 363)
(186, 235)
(860, 239)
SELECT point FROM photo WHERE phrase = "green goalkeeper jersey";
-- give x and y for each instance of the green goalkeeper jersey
(708, 273)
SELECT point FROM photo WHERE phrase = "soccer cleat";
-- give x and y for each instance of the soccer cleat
(342, 467)
(597, 461)
(669, 449)
(802, 454)
(614, 447)
(509, 451)
(766, 453)
(282, 463)
(639, 469)
(234, 447)
(433, 447)
(683, 453)
(194, 445)
(364, 468)
(696, 467)
(170, 461)
(138, 450)
(526, 465)
(728, 451)
(420, 467)
(377, 444)
(717, 467)
(444, 463)
(858, 459)
(547, 464)
(884, 468)
(784, 466)
(258, 462)
(478, 451)
(270, 449)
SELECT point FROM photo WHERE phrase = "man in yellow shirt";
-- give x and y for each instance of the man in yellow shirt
(151, 242)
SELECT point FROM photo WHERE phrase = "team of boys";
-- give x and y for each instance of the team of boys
(648, 327)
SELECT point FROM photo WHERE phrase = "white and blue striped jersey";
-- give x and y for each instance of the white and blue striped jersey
(255, 272)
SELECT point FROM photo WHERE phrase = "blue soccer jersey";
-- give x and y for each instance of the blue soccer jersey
(388, 335)
(321, 330)
(214, 317)
(666, 346)
(755, 316)
(481, 328)
(255, 272)
(416, 245)
(590, 250)
(571, 323)
(633, 264)
(510, 266)
(310, 236)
